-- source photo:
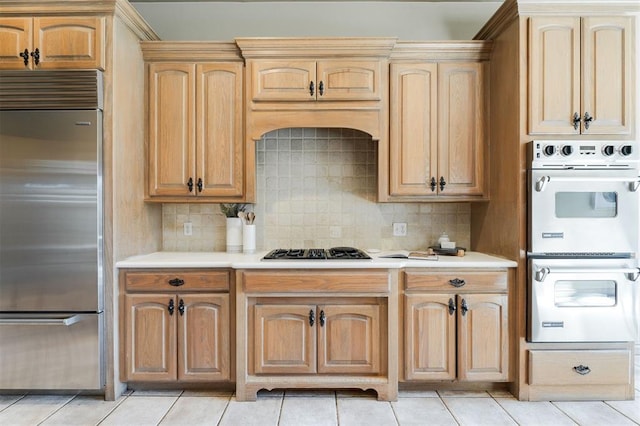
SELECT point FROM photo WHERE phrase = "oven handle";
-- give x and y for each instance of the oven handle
(632, 273)
(68, 321)
(634, 183)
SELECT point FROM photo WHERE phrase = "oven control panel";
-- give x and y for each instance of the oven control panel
(576, 153)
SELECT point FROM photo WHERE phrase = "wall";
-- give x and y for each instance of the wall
(317, 188)
(415, 20)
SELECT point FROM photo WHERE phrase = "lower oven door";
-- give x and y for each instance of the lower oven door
(582, 300)
(584, 210)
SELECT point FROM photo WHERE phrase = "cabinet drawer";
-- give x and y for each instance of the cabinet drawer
(465, 281)
(326, 281)
(600, 367)
(178, 280)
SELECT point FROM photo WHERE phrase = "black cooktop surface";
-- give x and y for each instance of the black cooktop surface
(334, 253)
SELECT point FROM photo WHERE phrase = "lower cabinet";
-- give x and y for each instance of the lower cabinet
(317, 339)
(181, 333)
(456, 326)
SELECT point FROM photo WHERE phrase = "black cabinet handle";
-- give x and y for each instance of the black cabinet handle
(181, 307)
(457, 282)
(587, 120)
(452, 307)
(576, 121)
(321, 88)
(199, 184)
(442, 183)
(312, 88)
(171, 307)
(176, 282)
(190, 184)
(463, 307)
(312, 318)
(322, 319)
(582, 369)
(36, 56)
(25, 55)
(433, 184)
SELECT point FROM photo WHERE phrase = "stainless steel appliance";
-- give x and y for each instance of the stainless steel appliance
(583, 300)
(51, 279)
(334, 253)
(584, 197)
(583, 241)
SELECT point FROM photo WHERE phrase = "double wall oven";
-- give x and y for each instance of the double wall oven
(584, 206)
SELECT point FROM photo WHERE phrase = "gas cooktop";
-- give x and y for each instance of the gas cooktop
(335, 253)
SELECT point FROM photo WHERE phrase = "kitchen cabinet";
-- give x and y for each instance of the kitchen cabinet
(52, 42)
(176, 326)
(581, 75)
(338, 339)
(456, 326)
(437, 144)
(310, 80)
(195, 129)
(316, 329)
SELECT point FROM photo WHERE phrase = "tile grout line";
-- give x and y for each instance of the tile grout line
(169, 409)
(618, 411)
(125, 397)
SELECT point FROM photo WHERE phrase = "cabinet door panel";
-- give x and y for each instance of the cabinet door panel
(554, 74)
(461, 128)
(220, 129)
(283, 80)
(349, 340)
(203, 338)
(607, 86)
(482, 337)
(349, 80)
(150, 344)
(413, 128)
(285, 342)
(68, 42)
(16, 35)
(171, 128)
(430, 337)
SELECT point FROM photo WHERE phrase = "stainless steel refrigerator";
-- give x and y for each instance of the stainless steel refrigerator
(51, 280)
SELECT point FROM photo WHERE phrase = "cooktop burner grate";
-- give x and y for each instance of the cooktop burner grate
(335, 253)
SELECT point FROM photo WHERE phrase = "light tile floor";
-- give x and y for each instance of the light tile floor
(301, 408)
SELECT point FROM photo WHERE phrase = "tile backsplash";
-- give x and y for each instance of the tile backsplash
(317, 188)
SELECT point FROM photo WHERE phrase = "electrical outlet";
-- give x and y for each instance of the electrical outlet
(399, 229)
(335, 232)
(188, 229)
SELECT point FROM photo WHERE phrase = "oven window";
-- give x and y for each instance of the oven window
(585, 293)
(586, 204)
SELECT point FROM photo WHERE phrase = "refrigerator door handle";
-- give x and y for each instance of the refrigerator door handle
(66, 321)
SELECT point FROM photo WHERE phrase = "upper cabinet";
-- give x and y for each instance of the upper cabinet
(581, 78)
(194, 127)
(325, 80)
(437, 125)
(52, 43)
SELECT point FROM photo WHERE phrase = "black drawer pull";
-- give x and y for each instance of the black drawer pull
(582, 369)
(176, 282)
(457, 282)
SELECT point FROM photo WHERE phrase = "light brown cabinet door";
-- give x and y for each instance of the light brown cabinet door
(430, 337)
(413, 125)
(16, 35)
(581, 67)
(283, 80)
(554, 74)
(171, 129)
(607, 75)
(219, 153)
(203, 337)
(482, 337)
(349, 339)
(284, 339)
(461, 105)
(150, 342)
(348, 80)
(69, 42)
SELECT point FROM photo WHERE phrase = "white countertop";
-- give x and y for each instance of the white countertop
(166, 259)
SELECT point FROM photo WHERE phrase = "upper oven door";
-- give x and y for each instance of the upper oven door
(583, 211)
(582, 300)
